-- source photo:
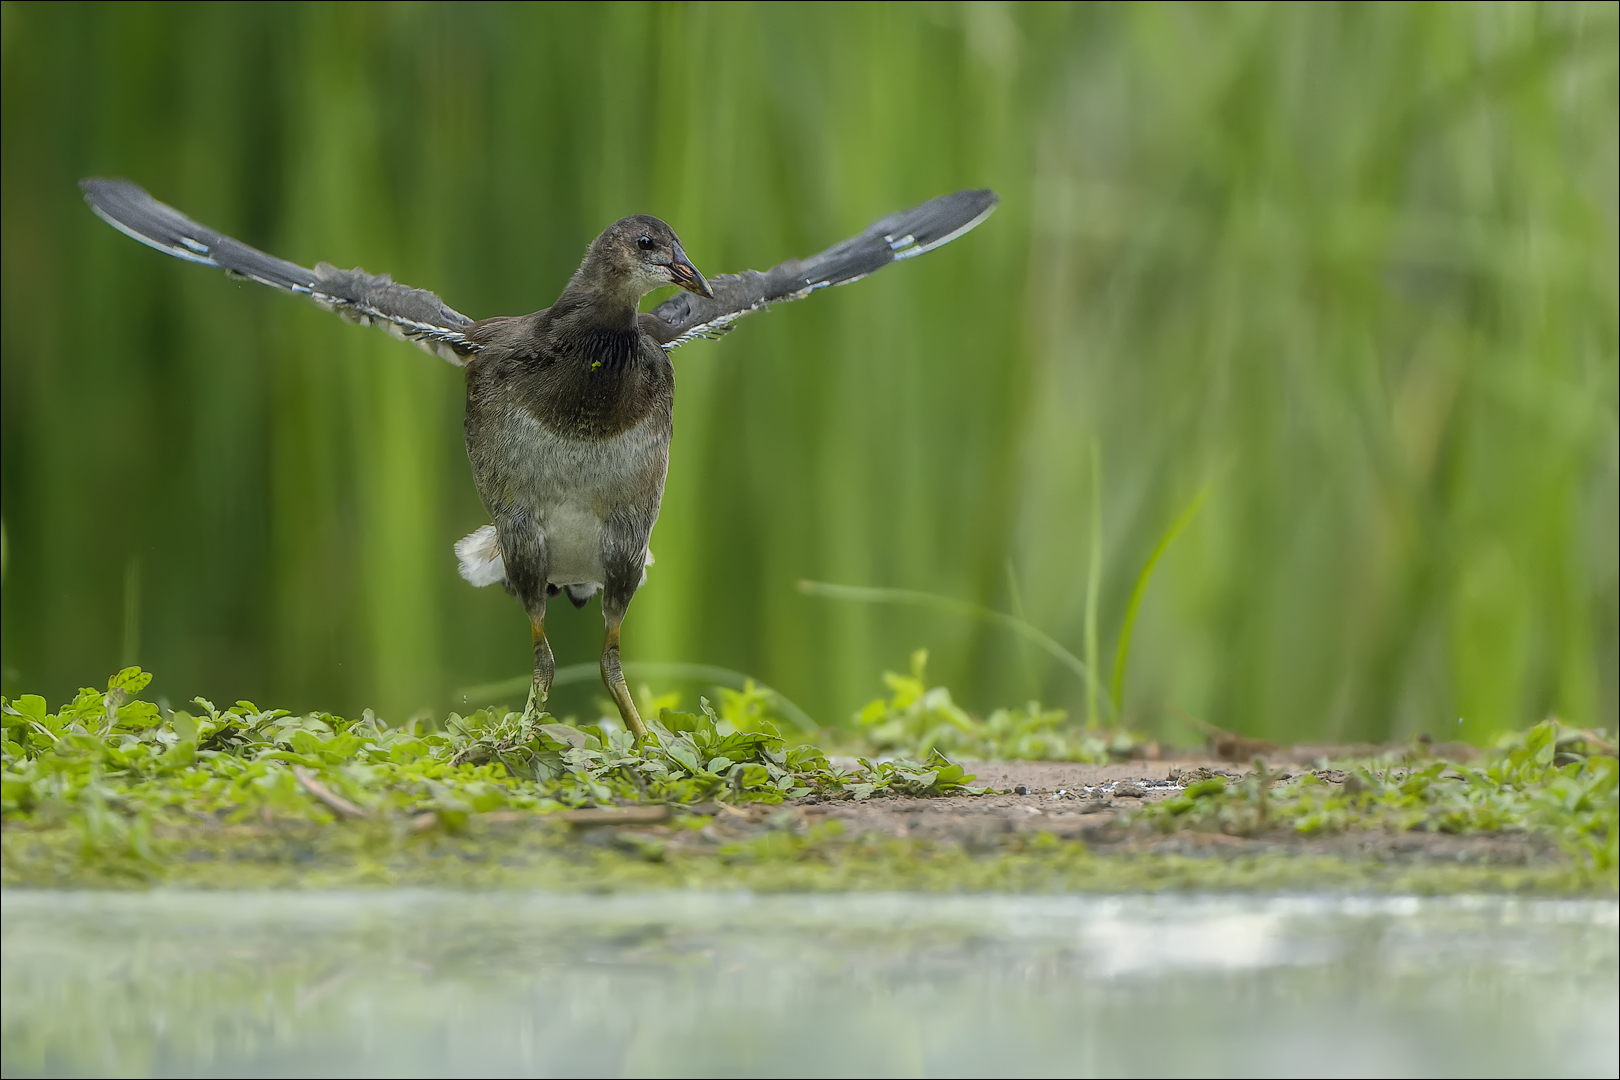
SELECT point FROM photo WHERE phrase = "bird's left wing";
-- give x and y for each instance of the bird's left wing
(686, 316)
(409, 314)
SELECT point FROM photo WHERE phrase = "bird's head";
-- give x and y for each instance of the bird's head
(639, 254)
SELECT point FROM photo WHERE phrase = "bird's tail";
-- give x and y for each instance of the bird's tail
(480, 555)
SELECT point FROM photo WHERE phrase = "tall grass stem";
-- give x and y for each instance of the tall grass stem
(1123, 653)
(917, 598)
(1093, 582)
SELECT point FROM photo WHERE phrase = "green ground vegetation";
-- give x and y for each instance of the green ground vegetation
(917, 719)
(109, 751)
(112, 789)
(1551, 779)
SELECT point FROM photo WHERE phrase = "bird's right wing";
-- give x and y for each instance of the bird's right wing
(686, 316)
(409, 314)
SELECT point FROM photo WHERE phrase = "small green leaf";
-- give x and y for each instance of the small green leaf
(564, 734)
(138, 716)
(132, 680)
(1200, 789)
(184, 726)
(30, 705)
(683, 753)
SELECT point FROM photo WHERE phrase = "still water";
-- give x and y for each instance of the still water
(437, 983)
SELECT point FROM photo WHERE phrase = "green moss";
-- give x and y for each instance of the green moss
(537, 854)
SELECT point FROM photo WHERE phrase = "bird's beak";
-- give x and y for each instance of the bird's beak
(684, 274)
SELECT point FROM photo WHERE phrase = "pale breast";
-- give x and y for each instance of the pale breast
(574, 542)
(572, 487)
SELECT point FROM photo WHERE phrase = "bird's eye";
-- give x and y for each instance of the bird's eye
(646, 243)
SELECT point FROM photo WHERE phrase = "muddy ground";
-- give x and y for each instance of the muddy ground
(1087, 802)
(1018, 838)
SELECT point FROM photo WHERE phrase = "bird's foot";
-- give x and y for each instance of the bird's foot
(627, 711)
(613, 678)
(535, 708)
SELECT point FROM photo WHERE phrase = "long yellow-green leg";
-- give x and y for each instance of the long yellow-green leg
(544, 668)
(613, 677)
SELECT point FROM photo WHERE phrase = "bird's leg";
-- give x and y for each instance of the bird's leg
(613, 676)
(544, 666)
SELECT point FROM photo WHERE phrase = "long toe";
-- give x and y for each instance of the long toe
(535, 707)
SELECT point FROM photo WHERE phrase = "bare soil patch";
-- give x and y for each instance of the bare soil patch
(1091, 803)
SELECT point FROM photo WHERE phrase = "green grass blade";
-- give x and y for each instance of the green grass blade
(917, 598)
(1094, 582)
(1122, 654)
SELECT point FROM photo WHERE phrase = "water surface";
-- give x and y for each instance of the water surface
(437, 983)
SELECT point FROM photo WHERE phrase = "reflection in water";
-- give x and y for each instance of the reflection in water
(426, 983)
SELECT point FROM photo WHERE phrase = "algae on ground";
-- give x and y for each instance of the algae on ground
(535, 853)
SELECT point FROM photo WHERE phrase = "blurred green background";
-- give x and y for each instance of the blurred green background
(1352, 266)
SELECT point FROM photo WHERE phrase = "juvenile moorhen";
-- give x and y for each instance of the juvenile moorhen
(570, 409)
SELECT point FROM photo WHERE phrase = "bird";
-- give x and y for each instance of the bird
(570, 409)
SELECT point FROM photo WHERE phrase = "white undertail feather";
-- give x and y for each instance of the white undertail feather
(480, 555)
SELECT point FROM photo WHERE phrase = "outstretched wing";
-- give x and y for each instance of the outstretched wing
(409, 314)
(686, 316)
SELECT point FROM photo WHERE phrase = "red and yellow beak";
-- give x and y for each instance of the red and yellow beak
(684, 274)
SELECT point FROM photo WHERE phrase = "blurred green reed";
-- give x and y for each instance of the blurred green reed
(1353, 267)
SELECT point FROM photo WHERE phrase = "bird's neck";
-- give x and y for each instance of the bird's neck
(601, 331)
(591, 311)
(598, 296)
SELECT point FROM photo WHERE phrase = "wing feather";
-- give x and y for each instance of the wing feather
(686, 317)
(370, 299)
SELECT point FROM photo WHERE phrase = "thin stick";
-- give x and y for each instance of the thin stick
(336, 803)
